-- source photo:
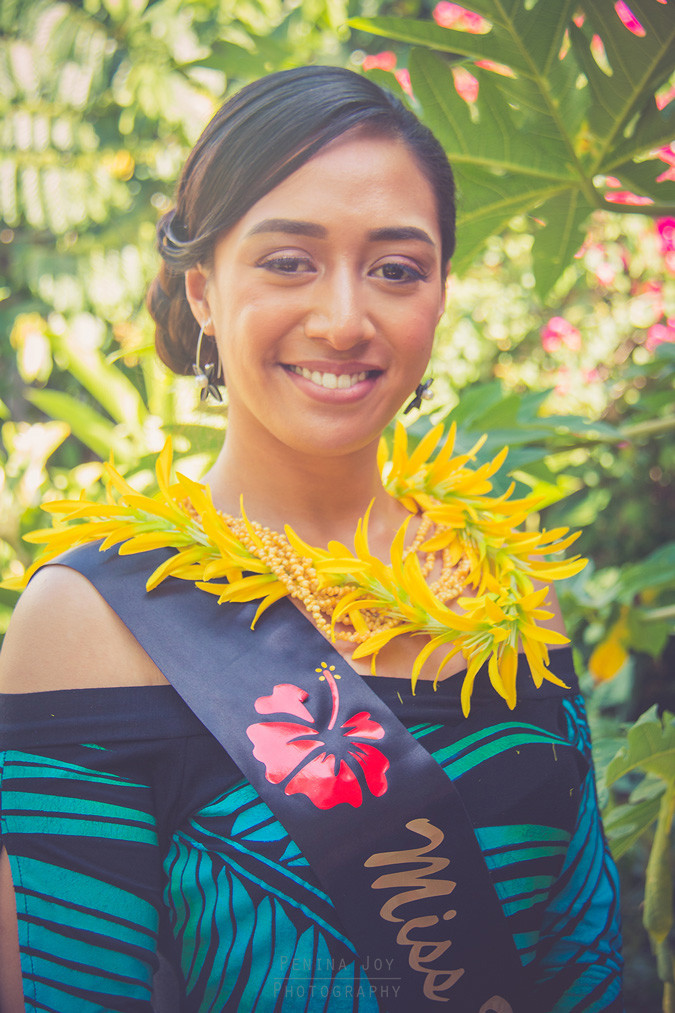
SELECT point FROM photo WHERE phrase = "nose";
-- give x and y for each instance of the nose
(339, 314)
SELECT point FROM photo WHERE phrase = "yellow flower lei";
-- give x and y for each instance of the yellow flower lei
(473, 525)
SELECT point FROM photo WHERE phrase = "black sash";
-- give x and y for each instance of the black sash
(379, 821)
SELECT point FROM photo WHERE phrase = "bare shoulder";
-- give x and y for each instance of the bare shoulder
(63, 635)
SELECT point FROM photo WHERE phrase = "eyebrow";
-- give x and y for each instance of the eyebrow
(289, 225)
(399, 233)
(295, 227)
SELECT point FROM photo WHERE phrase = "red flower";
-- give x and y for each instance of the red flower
(403, 78)
(449, 15)
(659, 334)
(322, 768)
(386, 60)
(663, 98)
(466, 84)
(496, 68)
(666, 230)
(627, 197)
(557, 332)
(628, 18)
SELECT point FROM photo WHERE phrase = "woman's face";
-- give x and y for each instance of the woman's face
(324, 299)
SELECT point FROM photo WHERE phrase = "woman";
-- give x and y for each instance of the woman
(305, 264)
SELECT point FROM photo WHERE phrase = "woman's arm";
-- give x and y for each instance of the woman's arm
(71, 824)
(63, 635)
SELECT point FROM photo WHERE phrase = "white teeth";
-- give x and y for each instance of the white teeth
(331, 381)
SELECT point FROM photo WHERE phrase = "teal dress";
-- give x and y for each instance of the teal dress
(150, 875)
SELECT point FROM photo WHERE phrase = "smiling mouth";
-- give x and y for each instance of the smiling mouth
(331, 381)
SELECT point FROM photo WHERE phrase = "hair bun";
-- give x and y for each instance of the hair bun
(172, 239)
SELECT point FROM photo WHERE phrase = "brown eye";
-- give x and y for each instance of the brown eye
(395, 271)
(288, 265)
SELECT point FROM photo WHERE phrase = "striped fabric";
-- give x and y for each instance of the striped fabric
(121, 847)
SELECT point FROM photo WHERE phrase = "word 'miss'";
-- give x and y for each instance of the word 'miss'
(417, 884)
(421, 883)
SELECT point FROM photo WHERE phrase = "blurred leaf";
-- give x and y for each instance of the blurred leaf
(650, 747)
(657, 569)
(625, 824)
(649, 637)
(105, 382)
(556, 245)
(88, 425)
(536, 141)
(639, 65)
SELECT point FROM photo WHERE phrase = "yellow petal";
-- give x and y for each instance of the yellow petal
(495, 674)
(115, 479)
(493, 611)
(275, 595)
(534, 652)
(439, 466)
(163, 466)
(607, 658)
(378, 640)
(533, 600)
(150, 540)
(423, 656)
(475, 664)
(542, 633)
(424, 449)
(169, 566)
(382, 457)
(398, 455)
(156, 507)
(508, 668)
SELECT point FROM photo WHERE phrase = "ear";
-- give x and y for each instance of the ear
(196, 292)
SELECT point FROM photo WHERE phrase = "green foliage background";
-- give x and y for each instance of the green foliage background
(559, 338)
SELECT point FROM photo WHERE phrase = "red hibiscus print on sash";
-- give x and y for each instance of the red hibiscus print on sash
(324, 762)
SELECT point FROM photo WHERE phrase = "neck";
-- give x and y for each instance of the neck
(322, 498)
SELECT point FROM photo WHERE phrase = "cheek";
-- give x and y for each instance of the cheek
(418, 327)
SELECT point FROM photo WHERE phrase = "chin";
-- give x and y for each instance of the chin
(334, 441)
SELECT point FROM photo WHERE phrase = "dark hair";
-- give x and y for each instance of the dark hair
(257, 139)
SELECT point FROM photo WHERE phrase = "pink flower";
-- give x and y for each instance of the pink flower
(386, 60)
(626, 197)
(579, 19)
(666, 230)
(557, 332)
(466, 84)
(403, 78)
(665, 98)
(449, 15)
(496, 68)
(598, 50)
(591, 376)
(328, 765)
(605, 273)
(659, 334)
(628, 18)
(666, 154)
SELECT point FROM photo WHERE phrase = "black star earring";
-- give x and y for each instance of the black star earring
(207, 374)
(422, 393)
